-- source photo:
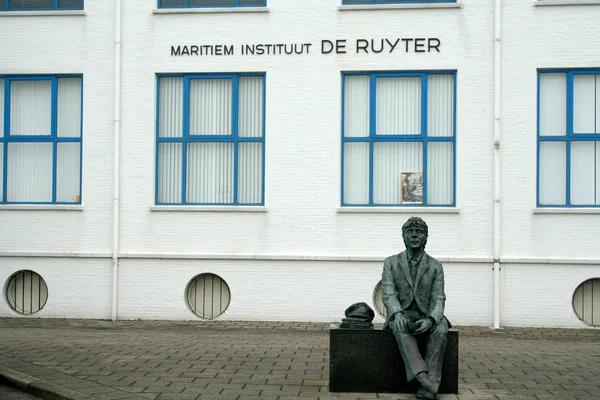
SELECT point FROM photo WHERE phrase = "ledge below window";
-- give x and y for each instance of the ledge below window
(41, 207)
(565, 2)
(406, 6)
(211, 208)
(211, 10)
(566, 210)
(413, 210)
(62, 13)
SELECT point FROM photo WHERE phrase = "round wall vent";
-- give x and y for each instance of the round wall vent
(378, 300)
(26, 292)
(208, 296)
(586, 302)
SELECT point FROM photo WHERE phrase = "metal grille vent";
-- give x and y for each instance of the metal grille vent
(208, 296)
(378, 300)
(26, 292)
(586, 302)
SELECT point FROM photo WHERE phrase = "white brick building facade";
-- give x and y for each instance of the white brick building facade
(302, 256)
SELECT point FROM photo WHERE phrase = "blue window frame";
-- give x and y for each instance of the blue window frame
(210, 3)
(41, 139)
(568, 138)
(348, 2)
(210, 139)
(398, 138)
(40, 5)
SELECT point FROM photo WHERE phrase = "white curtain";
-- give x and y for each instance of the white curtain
(170, 103)
(250, 173)
(390, 161)
(29, 172)
(586, 103)
(210, 173)
(169, 173)
(210, 106)
(69, 107)
(356, 173)
(440, 105)
(356, 106)
(30, 107)
(553, 173)
(553, 104)
(250, 108)
(67, 172)
(398, 106)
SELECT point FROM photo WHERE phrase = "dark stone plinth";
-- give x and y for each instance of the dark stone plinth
(368, 361)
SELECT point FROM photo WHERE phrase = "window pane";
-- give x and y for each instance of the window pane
(252, 2)
(440, 105)
(584, 103)
(69, 107)
(553, 173)
(18, 4)
(398, 106)
(553, 104)
(170, 118)
(390, 162)
(583, 173)
(1, 172)
(210, 173)
(67, 172)
(172, 3)
(250, 173)
(70, 4)
(356, 106)
(440, 173)
(356, 173)
(169, 173)
(597, 182)
(29, 172)
(1, 108)
(210, 107)
(250, 106)
(211, 2)
(30, 106)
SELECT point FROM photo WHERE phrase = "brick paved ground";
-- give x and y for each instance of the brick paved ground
(271, 361)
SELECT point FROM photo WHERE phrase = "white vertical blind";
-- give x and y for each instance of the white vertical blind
(69, 107)
(553, 104)
(67, 172)
(398, 106)
(250, 119)
(210, 173)
(169, 172)
(356, 173)
(440, 105)
(390, 160)
(170, 118)
(1, 108)
(210, 106)
(553, 173)
(29, 172)
(583, 173)
(30, 107)
(356, 106)
(250, 173)
(440, 174)
(584, 104)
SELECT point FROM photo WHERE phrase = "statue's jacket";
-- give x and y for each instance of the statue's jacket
(399, 291)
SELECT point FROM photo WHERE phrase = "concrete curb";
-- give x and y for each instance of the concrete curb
(37, 387)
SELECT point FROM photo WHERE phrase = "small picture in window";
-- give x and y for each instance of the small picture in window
(411, 188)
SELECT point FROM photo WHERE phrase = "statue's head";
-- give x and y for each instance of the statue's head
(414, 233)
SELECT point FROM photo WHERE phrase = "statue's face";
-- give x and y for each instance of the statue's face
(415, 238)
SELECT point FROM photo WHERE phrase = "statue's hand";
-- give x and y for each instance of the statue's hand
(401, 323)
(423, 325)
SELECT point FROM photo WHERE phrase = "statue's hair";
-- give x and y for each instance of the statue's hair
(415, 222)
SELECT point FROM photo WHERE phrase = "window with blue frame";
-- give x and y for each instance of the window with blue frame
(40, 139)
(348, 2)
(568, 138)
(398, 138)
(39, 5)
(210, 139)
(210, 3)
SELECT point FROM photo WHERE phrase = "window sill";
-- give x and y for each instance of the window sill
(211, 10)
(419, 210)
(41, 207)
(211, 208)
(566, 210)
(42, 13)
(565, 2)
(355, 7)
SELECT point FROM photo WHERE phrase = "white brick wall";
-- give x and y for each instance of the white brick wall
(302, 163)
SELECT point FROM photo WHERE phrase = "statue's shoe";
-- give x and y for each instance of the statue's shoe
(425, 394)
(427, 383)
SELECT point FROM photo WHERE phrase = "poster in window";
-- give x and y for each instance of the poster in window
(411, 188)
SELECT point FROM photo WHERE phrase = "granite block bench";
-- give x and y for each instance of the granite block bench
(369, 361)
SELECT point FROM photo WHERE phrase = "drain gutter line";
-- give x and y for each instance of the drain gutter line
(497, 119)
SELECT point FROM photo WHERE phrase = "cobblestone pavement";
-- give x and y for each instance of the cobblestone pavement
(82, 359)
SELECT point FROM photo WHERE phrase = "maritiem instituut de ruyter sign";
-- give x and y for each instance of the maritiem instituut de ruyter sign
(338, 46)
